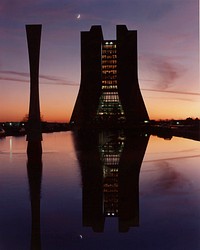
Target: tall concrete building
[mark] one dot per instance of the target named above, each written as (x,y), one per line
(109,92)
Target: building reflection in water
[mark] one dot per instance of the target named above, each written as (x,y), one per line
(34,171)
(110,164)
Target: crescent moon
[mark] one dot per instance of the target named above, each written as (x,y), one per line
(78,16)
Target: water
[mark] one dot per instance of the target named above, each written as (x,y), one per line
(107,191)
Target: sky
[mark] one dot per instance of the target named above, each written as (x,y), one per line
(168,53)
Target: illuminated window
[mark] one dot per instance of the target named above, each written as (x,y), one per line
(110,108)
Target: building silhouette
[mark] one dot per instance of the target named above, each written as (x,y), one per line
(110,165)
(33,32)
(109,91)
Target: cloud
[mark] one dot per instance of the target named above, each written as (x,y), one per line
(171,91)
(25,78)
(186,96)
(167,70)
(174,158)
(170,180)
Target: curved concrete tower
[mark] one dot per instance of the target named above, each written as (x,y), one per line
(109,93)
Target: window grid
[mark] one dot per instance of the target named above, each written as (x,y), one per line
(109,104)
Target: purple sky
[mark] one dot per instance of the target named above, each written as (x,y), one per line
(167,52)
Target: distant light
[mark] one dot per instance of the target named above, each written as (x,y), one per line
(81,236)
(78,16)
(146,121)
(10,123)
(177,123)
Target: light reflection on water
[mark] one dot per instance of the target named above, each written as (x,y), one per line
(164,212)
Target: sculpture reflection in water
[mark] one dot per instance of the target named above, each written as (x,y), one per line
(34,171)
(110,164)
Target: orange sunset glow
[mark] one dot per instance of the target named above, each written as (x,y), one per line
(167,56)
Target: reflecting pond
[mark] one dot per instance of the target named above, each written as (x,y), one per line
(100,191)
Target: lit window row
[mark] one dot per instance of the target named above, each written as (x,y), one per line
(109,77)
(113,93)
(109,87)
(110,162)
(109,72)
(110,115)
(110,96)
(111,109)
(109,46)
(109,156)
(111,66)
(113,82)
(109,51)
(112,99)
(108,62)
(114,56)
(109,153)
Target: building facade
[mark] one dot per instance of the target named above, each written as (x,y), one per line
(109,92)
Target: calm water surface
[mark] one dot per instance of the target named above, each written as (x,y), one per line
(106,191)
